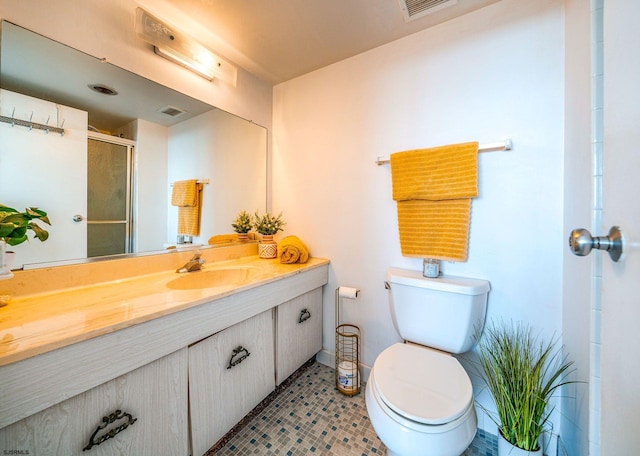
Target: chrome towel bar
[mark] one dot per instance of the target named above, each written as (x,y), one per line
(506,144)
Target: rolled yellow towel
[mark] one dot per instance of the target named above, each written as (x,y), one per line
(292,250)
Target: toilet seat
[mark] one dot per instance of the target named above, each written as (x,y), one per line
(422,385)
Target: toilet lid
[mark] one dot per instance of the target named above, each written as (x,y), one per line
(421,384)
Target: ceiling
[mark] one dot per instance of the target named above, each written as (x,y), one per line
(278,40)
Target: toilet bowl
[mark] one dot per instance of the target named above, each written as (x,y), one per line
(420,402)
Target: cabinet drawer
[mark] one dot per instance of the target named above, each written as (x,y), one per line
(152,420)
(229,374)
(298,332)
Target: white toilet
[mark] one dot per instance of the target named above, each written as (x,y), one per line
(418,396)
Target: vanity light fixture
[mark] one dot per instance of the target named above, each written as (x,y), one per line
(182,49)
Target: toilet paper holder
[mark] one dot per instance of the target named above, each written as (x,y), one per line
(347,360)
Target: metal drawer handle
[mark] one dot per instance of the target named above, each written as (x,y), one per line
(107,420)
(304,315)
(241,353)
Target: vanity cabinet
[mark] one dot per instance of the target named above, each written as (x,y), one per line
(298,332)
(147,408)
(229,374)
(163,383)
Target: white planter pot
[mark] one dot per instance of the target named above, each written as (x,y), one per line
(507,449)
(6,260)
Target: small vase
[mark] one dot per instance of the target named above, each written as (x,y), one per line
(505,448)
(267,248)
(243,237)
(6,260)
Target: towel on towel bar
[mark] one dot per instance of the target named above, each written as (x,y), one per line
(292,250)
(184,193)
(433,189)
(187,196)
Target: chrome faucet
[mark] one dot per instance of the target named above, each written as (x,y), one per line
(194,264)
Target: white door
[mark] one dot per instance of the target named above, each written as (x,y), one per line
(58,185)
(620,362)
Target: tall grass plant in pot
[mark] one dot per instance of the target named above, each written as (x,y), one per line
(522,372)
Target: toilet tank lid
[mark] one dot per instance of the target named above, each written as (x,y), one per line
(450,284)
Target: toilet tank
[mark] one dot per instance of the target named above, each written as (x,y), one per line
(446,313)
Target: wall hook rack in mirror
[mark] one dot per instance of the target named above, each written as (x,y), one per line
(32,125)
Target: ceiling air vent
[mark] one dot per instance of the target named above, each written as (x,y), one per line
(414,9)
(172,111)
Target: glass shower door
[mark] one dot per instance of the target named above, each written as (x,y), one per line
(108,198)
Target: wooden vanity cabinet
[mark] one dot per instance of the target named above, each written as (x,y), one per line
(229,374)
(148,405)
(170,374)
(298,332)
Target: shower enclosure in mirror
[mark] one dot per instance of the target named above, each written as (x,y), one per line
(174,137)
(108,196)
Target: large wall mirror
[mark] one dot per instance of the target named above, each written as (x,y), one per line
(161,136)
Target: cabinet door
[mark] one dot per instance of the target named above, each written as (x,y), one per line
(152,402)
(298,333)
(229,374)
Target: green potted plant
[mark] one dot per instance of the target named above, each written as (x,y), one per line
(522,373)
(242,225)
(268,225)
(14,226)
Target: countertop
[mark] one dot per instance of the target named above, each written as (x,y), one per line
(38,323)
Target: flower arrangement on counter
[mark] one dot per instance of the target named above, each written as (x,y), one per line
(242,224)
(14,224)
(268,224)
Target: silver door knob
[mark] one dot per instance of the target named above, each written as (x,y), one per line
(581,242)
(78,218)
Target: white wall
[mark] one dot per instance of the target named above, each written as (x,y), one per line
(489,75)
(150,185)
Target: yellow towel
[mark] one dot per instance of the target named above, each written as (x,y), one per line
(433,189)
(222,239)
(187,195)
(292,250)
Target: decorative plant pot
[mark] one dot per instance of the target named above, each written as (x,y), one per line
(508,449)
(6,260)
(243,237)
(267,248)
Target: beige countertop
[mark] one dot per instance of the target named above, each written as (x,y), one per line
(38,323)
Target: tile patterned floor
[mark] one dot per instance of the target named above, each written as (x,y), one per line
(308,416)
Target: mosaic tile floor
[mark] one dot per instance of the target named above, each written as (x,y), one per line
(309,416)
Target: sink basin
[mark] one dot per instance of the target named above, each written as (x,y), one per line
(209,279)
